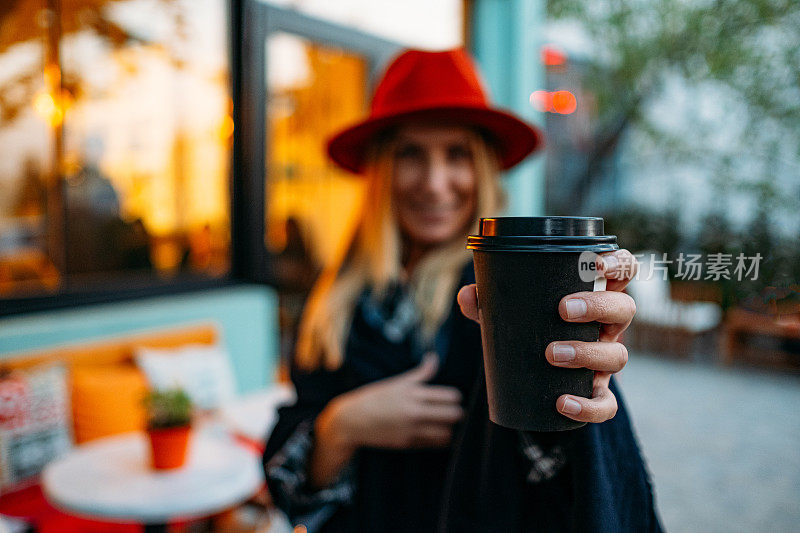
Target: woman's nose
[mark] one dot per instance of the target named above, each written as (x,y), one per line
(437,178)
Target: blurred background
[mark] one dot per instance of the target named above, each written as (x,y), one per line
(163,184)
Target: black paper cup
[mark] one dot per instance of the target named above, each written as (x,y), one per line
(524,266)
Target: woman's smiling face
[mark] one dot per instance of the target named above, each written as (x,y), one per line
(434,189)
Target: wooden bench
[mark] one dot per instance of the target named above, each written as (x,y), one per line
(743,327)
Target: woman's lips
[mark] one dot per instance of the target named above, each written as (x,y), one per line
(434,211)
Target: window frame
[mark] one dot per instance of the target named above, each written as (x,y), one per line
(260,20)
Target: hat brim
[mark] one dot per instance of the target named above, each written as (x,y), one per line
(513,139)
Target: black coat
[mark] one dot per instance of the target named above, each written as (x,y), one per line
(479,484)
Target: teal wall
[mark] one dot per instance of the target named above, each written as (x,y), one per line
(506,39)
(246,315)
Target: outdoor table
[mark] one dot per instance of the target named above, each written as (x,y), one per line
(111,479)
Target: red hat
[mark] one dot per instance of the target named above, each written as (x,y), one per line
(440,86)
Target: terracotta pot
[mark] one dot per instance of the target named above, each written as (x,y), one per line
(169,446)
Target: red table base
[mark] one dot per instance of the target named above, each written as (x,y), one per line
(29,504)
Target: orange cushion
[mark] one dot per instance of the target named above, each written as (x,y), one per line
(107,400)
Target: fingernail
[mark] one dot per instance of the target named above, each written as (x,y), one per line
(610,262)
(576,308)
(563,353)
(571,407)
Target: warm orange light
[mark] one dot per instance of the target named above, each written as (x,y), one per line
(542,100)
(48,109)
(552,56)
(564,102)
(52,74)
(44,104)
(226,128)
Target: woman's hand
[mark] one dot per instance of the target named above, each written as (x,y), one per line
(614,310)
(403,411)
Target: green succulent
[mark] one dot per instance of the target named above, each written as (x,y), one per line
(168,409)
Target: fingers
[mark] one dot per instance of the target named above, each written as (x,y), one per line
(619,268)
(468,301)
(603,356)
(619,265)
(424,371)
(435,394)
(433,420)
(606,307)
(614,310)
(438,414)
(600,407)
(601,379)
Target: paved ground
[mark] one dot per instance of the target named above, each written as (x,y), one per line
(723,445)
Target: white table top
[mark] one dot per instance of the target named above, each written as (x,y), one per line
(253,415)
(111,479)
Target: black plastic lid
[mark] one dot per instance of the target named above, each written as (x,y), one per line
(542,234)
(541,226)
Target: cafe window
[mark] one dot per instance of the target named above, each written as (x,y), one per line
(115,145)
(120,171)
(322,60)
(317,78)
(314,91)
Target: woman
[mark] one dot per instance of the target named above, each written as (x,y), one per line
(390,430)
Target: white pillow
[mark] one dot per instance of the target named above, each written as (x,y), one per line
(203,371)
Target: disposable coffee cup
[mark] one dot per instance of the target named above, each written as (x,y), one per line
(524,266)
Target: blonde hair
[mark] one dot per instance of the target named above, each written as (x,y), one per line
(374,259)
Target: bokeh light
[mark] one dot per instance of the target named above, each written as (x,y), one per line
(542,100)
(48,109)
(553,56)
(564,102)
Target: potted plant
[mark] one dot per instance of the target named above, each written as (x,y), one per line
(169,418)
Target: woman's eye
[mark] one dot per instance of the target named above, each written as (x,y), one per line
(409,152)
(458,153)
